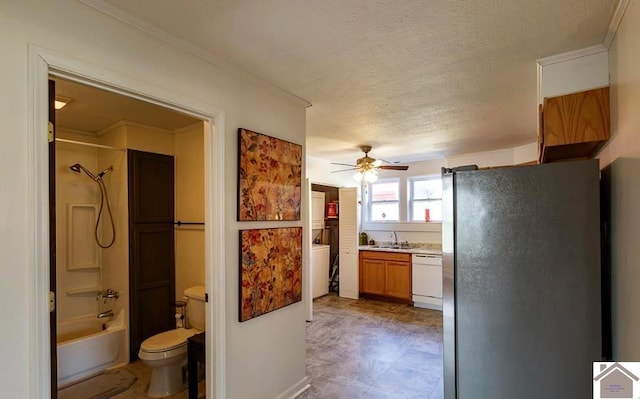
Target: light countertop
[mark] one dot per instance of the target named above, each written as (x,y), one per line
(429,249)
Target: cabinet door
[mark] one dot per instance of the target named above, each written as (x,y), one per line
(398,276)
(373,276)
(348,242)
(317,210)
(320,271)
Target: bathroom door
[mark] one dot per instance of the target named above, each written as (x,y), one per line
(151,246)
(52,237)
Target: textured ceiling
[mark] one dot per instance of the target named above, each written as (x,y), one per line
(415,79)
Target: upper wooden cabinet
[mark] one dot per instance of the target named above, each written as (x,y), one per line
(574,126)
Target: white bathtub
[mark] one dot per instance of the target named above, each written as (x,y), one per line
(85,347)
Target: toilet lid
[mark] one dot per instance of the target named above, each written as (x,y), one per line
(167,340)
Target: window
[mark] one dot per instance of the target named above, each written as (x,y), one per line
(425,196)
(384,201)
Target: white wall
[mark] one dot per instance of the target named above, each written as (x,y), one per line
(265,356)
(623,155)
(320,171)
(432,232)
(586,71)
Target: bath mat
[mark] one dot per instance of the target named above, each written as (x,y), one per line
(379,306)
(101,386)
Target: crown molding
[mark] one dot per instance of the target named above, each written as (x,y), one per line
(181,130)
(62,129)
(618,14)
(571,55)
(126,123)
(187,47)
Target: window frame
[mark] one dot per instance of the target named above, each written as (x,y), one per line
(411,198)
(370,202)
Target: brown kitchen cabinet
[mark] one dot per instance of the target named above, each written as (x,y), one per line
(574,126)
(386,274)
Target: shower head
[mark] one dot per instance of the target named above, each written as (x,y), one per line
(76,167)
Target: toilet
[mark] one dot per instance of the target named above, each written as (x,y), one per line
(166,353)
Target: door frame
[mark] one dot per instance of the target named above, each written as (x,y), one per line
(41,64)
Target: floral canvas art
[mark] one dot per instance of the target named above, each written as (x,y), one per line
(270,177)
(270,270)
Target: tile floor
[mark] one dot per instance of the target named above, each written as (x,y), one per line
(359,349)
(373,349)
(139,388)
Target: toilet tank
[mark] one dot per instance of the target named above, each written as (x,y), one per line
(195,306)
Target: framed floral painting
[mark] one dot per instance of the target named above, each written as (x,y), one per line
(269,177)
(270,270)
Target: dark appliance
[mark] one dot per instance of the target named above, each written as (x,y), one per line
(521,275)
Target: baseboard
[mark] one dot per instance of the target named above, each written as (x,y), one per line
(420,301)
(296,390)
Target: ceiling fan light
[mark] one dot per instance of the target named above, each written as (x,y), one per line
(357,176)
(370,176)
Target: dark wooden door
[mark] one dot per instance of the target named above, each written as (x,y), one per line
(151,245)
(52,237)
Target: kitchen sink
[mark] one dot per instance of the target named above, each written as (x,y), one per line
(390,247)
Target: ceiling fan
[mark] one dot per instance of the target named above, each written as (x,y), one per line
(368,167)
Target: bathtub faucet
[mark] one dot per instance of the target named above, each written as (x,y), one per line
(108,313)
(109,293)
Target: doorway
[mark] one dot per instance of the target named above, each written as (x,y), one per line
(116,208)
(42,65)
(325,234)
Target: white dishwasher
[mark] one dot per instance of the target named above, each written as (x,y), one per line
(427,281)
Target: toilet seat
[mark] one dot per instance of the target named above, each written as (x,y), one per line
(164,355)
(167,340)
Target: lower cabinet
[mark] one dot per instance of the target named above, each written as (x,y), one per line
(386,274)
(372,272)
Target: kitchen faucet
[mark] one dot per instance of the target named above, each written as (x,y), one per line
(395,235)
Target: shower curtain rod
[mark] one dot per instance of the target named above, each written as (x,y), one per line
(91,144)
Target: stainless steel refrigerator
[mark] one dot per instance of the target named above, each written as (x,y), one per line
(521,275)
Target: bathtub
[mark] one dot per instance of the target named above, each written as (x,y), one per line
(87,346)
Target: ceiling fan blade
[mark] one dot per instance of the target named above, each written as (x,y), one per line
(343,164)
(343,170)
(394,167)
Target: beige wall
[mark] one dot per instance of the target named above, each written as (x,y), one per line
(115,260)
(622,154)
(146,138)
(189,204)
(187,145)
(265,357)
(76,288)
